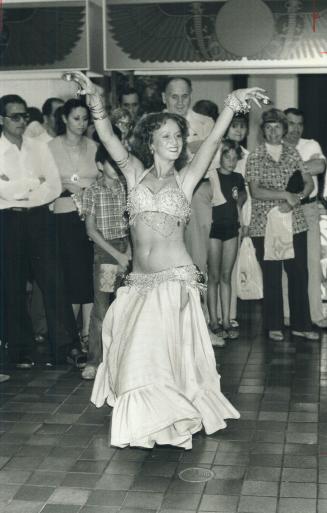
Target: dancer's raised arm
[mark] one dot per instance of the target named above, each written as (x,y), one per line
(129,164)
(235,102)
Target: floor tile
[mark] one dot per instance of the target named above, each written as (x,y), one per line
(146,500)
(219,503)
(260,488)
(297,506)
(300,490)
(252,504)
(181,501)
(64,495)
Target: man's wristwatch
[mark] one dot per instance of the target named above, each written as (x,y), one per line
(301,196)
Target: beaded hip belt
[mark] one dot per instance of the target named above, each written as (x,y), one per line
(186,273)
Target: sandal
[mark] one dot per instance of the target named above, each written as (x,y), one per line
(77,359)
(216,330)
(84,341)
(231,333)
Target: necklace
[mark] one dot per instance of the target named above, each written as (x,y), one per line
(74,153)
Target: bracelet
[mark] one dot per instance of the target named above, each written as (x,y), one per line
(235,104)
(101,115)
(95,107)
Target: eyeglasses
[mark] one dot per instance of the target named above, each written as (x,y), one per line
(18,116)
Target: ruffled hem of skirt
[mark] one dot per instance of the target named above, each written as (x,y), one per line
(177,418)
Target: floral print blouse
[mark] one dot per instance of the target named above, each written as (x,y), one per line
(262,169)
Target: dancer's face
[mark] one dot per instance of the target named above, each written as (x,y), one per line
(167,141)
(77,121)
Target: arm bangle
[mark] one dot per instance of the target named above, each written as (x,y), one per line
(236,105)
(99,116)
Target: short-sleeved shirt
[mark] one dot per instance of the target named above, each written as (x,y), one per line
(231,185)
(108,205)
(263,170)
(308,148)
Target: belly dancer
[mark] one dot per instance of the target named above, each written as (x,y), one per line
(159,370)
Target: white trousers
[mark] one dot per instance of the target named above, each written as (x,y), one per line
(311,214)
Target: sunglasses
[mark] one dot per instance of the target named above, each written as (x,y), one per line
(18,116)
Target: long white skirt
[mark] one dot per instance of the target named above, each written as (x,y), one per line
(159,369)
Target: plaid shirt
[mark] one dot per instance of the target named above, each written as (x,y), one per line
(108,205)
(262,169)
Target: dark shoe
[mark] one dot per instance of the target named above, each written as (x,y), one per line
(77,359)
(25,363)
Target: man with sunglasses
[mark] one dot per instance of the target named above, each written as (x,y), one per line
(29,181)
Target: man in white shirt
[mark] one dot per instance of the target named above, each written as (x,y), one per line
(315,161)
(44,132)
(177,97)
(29,181)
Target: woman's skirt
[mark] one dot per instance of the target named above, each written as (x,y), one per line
(159,369)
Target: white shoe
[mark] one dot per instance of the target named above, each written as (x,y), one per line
(322,323)
(89,372)
(4,377)
(216,341)
(234,323)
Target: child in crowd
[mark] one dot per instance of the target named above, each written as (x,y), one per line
(104,205)
(223,243)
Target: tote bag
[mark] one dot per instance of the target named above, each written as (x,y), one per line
(248,273)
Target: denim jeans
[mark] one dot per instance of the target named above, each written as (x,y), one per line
(102,300)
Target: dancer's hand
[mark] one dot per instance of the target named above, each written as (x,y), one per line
(123,261)
(239,100)
(85,85)
(254,94)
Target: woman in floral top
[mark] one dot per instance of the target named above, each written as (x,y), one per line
(268,171)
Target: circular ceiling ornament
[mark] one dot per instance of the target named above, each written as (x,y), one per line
(245,28)
(196,475)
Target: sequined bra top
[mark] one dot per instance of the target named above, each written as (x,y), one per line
(169,200)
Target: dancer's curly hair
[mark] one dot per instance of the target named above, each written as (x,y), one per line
(143,137)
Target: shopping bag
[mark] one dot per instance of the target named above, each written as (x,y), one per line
(248,272)
(279,235)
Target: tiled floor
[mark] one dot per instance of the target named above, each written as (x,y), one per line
(55,457)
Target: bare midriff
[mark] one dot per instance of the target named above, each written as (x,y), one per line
(153,252)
